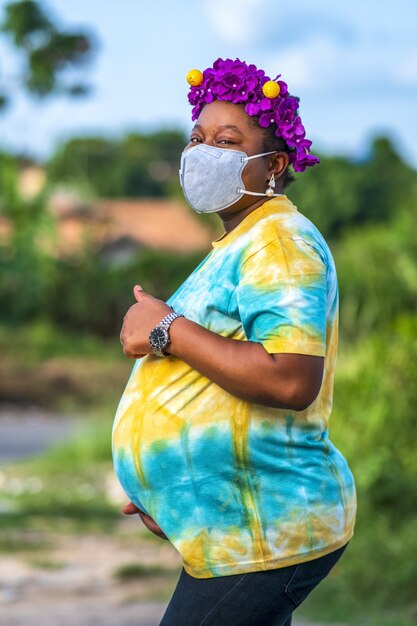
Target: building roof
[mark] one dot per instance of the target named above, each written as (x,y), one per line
(153,223)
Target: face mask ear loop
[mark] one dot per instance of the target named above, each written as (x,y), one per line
(254,193)
(255,156)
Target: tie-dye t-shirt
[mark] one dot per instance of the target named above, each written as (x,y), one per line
(237,486)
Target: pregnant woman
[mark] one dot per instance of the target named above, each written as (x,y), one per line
(221,437)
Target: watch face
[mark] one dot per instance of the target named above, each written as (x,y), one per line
(159,338)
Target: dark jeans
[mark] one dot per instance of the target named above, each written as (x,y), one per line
(263,598)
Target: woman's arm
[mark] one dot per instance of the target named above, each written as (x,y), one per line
(243,368)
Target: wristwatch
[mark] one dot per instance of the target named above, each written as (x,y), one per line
(159,336)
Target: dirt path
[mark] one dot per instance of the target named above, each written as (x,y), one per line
(75,583)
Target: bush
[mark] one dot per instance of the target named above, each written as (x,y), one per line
(92,296)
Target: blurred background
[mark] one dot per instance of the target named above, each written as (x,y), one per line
(93,118)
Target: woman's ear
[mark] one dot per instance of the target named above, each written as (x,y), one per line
(279,163)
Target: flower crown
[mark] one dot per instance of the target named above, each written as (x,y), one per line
(269,100)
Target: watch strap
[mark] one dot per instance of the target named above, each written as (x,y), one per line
(168,319)
(164,323)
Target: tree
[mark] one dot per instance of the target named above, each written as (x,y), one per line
(341,193)
(131,166)
(26,265)
(48,52)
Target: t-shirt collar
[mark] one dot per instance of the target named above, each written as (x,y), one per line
(277,204)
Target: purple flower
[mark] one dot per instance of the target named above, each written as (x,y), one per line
(284,88)
(308,160)
(208,97)
(266,119)
(265,104)
(252,108)
(233,81)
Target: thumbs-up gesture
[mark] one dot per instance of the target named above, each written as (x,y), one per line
(138,322)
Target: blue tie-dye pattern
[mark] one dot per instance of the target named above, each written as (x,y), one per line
(263,311)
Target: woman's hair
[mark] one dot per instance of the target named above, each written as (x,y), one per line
(272,142)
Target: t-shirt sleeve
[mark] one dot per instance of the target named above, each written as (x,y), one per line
(282,298)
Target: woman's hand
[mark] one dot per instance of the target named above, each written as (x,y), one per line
(131,509)
(138,322)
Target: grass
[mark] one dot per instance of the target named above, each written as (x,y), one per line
(135,571)
(41,365)
(21,542)
(359,614)
(47,564)
(368,587)
(67,487)
(158,594)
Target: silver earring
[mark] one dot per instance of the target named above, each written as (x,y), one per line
(271,186)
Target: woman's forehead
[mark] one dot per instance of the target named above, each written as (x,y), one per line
(219,114)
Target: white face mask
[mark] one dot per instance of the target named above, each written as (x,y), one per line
(211,178)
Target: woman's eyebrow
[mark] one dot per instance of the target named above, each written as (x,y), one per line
(231,127)
(228,126)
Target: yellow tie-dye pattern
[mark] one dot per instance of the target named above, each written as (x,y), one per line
(240,427)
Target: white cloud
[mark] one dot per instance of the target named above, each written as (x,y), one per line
(235,20)
(357,71)
(294,66)
(308,67)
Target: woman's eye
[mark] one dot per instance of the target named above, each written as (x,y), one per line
(195,140)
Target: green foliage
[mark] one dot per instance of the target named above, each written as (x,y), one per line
(48,52)
(375,577)
(374,419)
(68,483)
(83,294)
(28,271)
(135,165)
(374,425)
(12,542)
(91,296)
(43,341)
(137,571)
(377,269)
(24,20)
(341,193)
(88,295)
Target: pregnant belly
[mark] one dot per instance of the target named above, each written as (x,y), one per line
(169,464)
(177,443)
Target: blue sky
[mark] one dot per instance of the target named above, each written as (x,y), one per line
(353,64)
